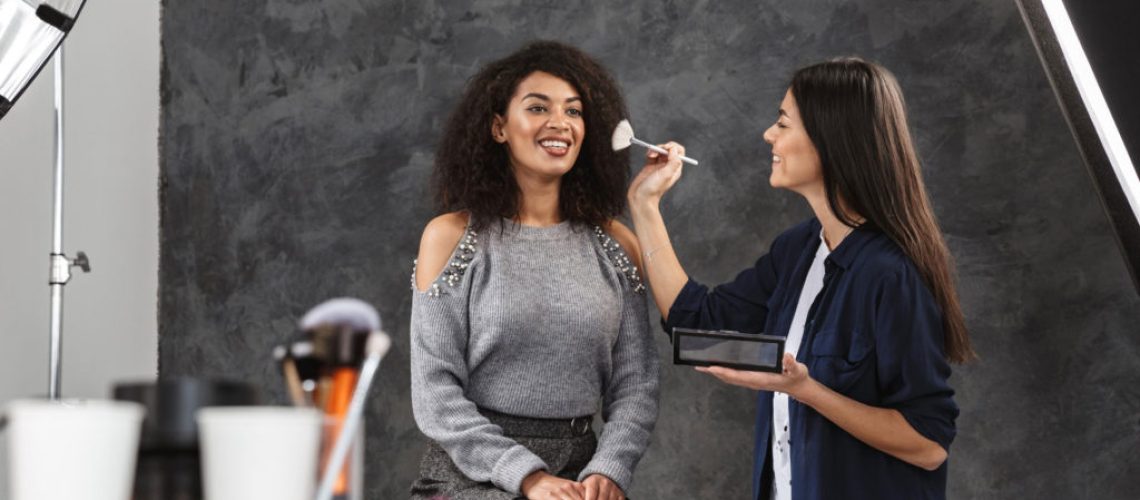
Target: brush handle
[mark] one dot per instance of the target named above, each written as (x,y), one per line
(651,147)
(348,428)
(293,382)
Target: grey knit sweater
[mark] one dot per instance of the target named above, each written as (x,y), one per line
(536,322)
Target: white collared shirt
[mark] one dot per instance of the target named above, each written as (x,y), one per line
(781,436)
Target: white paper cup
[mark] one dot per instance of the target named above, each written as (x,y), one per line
(64,450)
(259,452)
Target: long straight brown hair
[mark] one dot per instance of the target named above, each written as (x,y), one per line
(854,113)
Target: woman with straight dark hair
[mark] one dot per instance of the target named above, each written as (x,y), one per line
(863,292)
(528,314)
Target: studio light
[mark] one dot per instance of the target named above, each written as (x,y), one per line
(1090,119)
(30,31)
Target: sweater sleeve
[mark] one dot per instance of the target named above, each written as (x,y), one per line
(439,332)
(630,401)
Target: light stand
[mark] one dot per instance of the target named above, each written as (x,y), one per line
(30,31)
(60,267)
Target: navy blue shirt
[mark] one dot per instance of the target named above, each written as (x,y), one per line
(873,334)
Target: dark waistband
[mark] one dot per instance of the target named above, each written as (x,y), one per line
(516,426)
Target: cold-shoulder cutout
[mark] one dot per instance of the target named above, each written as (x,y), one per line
(620,246)
(628,241)
(441,235)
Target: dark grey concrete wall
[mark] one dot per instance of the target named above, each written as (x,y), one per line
(297,140)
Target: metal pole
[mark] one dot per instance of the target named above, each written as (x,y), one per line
(60,267)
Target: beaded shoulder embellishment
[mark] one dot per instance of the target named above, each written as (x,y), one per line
(620,260)
(455,269)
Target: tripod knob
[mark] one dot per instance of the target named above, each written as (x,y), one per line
(81,261)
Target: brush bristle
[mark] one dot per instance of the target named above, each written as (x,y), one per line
(344,312)
(623,135)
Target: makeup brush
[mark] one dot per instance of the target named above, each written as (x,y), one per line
(341,331)
(309,365)
(623,138)
(377,346)
(292,376)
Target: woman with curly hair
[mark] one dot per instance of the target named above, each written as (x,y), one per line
(528,311)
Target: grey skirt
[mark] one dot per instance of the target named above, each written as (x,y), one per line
(565,445)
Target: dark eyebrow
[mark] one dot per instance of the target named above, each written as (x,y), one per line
(784,113)
(546,98)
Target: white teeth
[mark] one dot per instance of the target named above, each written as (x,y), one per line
(555,144)
(775,158)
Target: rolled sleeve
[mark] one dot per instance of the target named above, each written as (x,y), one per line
(741,304)
(686,308)
(912,367)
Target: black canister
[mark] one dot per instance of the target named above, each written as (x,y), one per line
(169,466)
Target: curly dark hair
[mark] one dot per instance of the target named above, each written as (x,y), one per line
(472,171)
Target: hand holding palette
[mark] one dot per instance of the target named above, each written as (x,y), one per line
(742,351)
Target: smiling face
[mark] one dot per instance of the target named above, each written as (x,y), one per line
(795,161)
(543,127)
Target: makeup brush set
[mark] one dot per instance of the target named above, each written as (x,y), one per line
(330,367)
(213,439)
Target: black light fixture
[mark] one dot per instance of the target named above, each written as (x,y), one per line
(1090,115)
(31,31)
